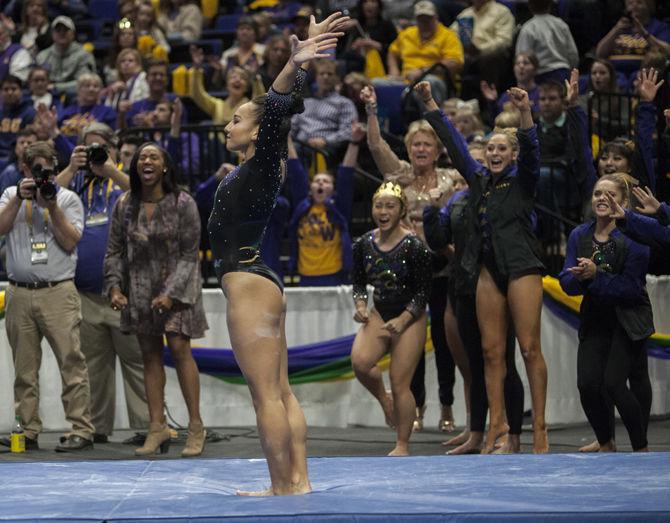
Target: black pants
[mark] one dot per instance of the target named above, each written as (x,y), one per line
(605,359)
(466,316)
(640,386)
(446,369)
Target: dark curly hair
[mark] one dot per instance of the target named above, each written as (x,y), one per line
(169,180)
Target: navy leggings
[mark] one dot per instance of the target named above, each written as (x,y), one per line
(446,368)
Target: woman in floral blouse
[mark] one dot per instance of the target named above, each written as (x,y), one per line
(152,274)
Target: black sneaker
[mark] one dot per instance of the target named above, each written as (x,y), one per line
(100,438)
(73,443)
(137,440)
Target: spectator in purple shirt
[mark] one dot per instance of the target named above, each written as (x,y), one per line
(15,113)
(634,35)
(12,173)
(86,109)
(139,113)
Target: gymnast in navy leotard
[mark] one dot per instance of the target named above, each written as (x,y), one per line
(255,313)
(246,196)
(398,265)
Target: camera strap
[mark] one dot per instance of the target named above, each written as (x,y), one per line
(38,249)
(29,218)
(97,218)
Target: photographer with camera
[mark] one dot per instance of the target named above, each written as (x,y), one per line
(94,175)
(43,224)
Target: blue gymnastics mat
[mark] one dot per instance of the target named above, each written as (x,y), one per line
(608,487)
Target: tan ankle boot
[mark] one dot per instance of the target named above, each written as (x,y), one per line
(195,442)
(158,440)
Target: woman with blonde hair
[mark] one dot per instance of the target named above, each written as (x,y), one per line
(240,85)
(131,84)
(503,253)
(609,270)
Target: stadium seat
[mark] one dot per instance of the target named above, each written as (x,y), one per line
(104,9)
(227,23)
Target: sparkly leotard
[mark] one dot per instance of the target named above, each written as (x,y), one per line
(401,277)
(246,196)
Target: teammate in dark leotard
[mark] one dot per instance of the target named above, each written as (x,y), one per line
(398,265)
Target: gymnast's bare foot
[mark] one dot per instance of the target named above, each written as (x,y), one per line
(512,445)
(495,432)
(610,446)
(294,489)
(401,449)
(594,446)
(302,487)
(387,406)
(460,439)
(472,446)
(540,440)
(258,493)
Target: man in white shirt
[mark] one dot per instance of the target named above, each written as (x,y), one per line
(43,224)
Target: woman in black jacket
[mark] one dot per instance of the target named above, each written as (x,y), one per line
(503,252)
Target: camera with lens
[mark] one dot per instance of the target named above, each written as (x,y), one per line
(96,154)
(43,181)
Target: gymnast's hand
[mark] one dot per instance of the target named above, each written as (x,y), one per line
(519,98)
(396,325)
(585,270)
(361,315)
(368,95)
(334,23)
(303,51)
(648,203)
(423,91)
(618,212)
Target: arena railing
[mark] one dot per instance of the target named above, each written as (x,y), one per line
(201,149)
(610,115)
(558,209)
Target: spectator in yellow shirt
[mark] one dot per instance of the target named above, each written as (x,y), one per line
(423,45)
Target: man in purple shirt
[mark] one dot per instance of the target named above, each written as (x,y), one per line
(139,114)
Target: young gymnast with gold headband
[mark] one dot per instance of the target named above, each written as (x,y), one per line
(397,264)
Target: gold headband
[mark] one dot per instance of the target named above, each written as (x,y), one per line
(389,189)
